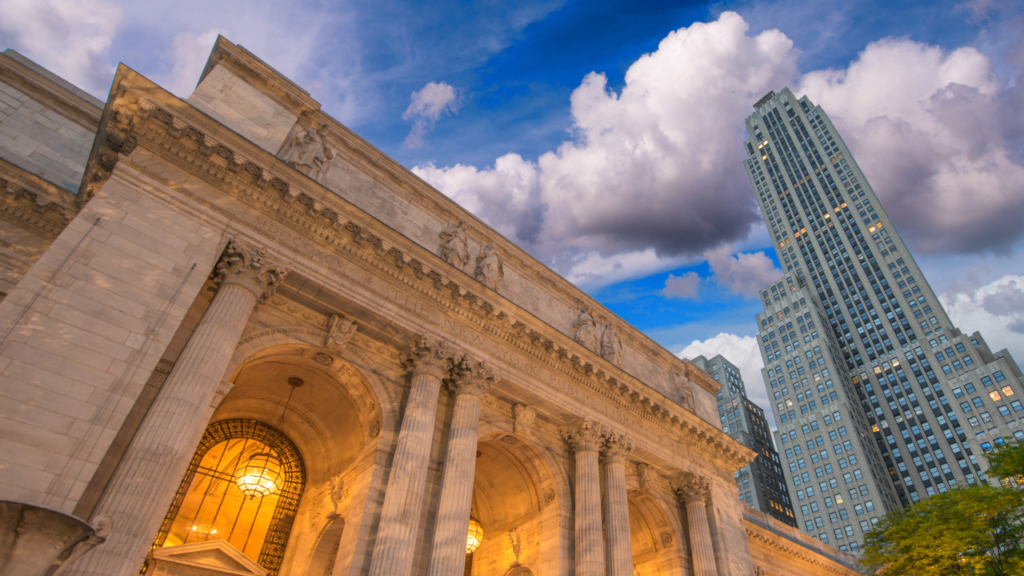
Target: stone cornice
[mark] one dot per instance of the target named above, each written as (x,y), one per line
(535,271)
(29,202)
(251,176)
(781,544)
(45,90)
(269,81)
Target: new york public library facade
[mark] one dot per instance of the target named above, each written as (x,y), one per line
(253,344)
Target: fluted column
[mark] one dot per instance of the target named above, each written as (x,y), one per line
(616,506)
(584,436)
(471,380)
(693,492)
(143,486)
(403,501)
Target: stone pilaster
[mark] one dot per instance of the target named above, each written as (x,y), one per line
(584,436)
(143,486)
(616,507)
(693,491)
(430,361)
(471,380)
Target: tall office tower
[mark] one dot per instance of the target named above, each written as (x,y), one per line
(762,484)
(880,400)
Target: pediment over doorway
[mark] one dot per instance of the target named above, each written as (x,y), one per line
(211,558)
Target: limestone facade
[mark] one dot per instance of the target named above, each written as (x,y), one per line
(239,270)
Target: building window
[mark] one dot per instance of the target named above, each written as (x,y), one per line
(209,505)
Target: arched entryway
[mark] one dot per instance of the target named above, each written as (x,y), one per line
(243,486)
(516,499)
(656,546)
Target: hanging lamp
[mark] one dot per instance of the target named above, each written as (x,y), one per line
(261,475)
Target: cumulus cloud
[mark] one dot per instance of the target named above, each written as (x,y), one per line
(930,130)
(682,287)
(744,273)
(995,309)
(428,104)
(655,166)
(744,353)
(69,37)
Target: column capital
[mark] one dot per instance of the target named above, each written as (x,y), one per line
(616,447)
(247,267)
(471,376)
(430,356)
(583,435)
(692,488)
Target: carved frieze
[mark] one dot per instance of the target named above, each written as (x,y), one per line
(454,247)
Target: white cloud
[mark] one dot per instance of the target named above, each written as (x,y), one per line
(682,287)
(656,166)
(744,273)
(427,105)
(69,37)
(744,353)
(930,129)
(995,309)
(189,52)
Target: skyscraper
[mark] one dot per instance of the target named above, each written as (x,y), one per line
(761,483)
(879,400)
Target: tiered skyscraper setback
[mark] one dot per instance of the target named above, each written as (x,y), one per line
(761,483)
(879,400)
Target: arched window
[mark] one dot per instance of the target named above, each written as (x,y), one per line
(210,505)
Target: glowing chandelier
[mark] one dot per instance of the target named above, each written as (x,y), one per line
(474,537)
(261,475)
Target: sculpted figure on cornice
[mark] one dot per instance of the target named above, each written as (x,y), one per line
(587,333)
(455,245)
(611,349)
(489,267)
(685,390)
(309,152)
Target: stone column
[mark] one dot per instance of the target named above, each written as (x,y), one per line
(403,500)
(693,492)
(448,552)
(142,488)
(616,506)
(584,436)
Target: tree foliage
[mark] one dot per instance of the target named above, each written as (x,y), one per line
(970,531)
(1007,461)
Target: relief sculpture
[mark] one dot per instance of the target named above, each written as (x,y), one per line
(309,152)
(611,349)
(586,330)
(489,268)
(455,245)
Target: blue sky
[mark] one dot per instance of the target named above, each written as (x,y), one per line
(630,178)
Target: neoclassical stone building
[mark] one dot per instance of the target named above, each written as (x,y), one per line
(239,339)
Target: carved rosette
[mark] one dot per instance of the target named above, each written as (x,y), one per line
(616,447)
(692,488)
(583,435)
(471,377)
(243,266)
(429,356)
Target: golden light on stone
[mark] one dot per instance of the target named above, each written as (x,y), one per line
(259,476)
(474,537)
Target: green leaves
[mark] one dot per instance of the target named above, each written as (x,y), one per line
(968,531)
(1006,462)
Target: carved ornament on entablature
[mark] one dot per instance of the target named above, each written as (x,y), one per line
(398,255)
